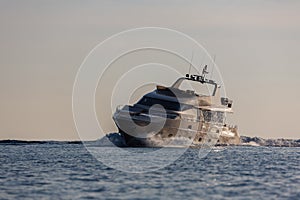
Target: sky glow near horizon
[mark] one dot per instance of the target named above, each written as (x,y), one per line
(256,43)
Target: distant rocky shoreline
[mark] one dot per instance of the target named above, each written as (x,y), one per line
(116,139)
(258,141)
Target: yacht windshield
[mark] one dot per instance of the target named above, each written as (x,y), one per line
(168,105)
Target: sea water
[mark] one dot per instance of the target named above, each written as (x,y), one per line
(66,170)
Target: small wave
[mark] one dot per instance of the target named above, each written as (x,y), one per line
(110,140)
(218,149)
(252,143)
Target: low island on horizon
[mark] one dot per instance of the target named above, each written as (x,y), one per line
(245,141)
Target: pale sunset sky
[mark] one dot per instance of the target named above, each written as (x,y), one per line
(43,43)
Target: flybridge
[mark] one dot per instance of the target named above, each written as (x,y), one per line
(200,78)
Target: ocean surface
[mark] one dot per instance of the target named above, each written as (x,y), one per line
(66,170)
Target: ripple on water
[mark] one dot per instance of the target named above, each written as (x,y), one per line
(68,171)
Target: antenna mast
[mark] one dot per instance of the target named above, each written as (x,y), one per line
(204,71)
(214,64)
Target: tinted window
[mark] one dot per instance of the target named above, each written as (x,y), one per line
(168,105)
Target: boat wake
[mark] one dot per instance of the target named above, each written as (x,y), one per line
(110,140)
(182,142)
(115,139)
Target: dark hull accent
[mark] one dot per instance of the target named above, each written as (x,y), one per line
(135,142)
